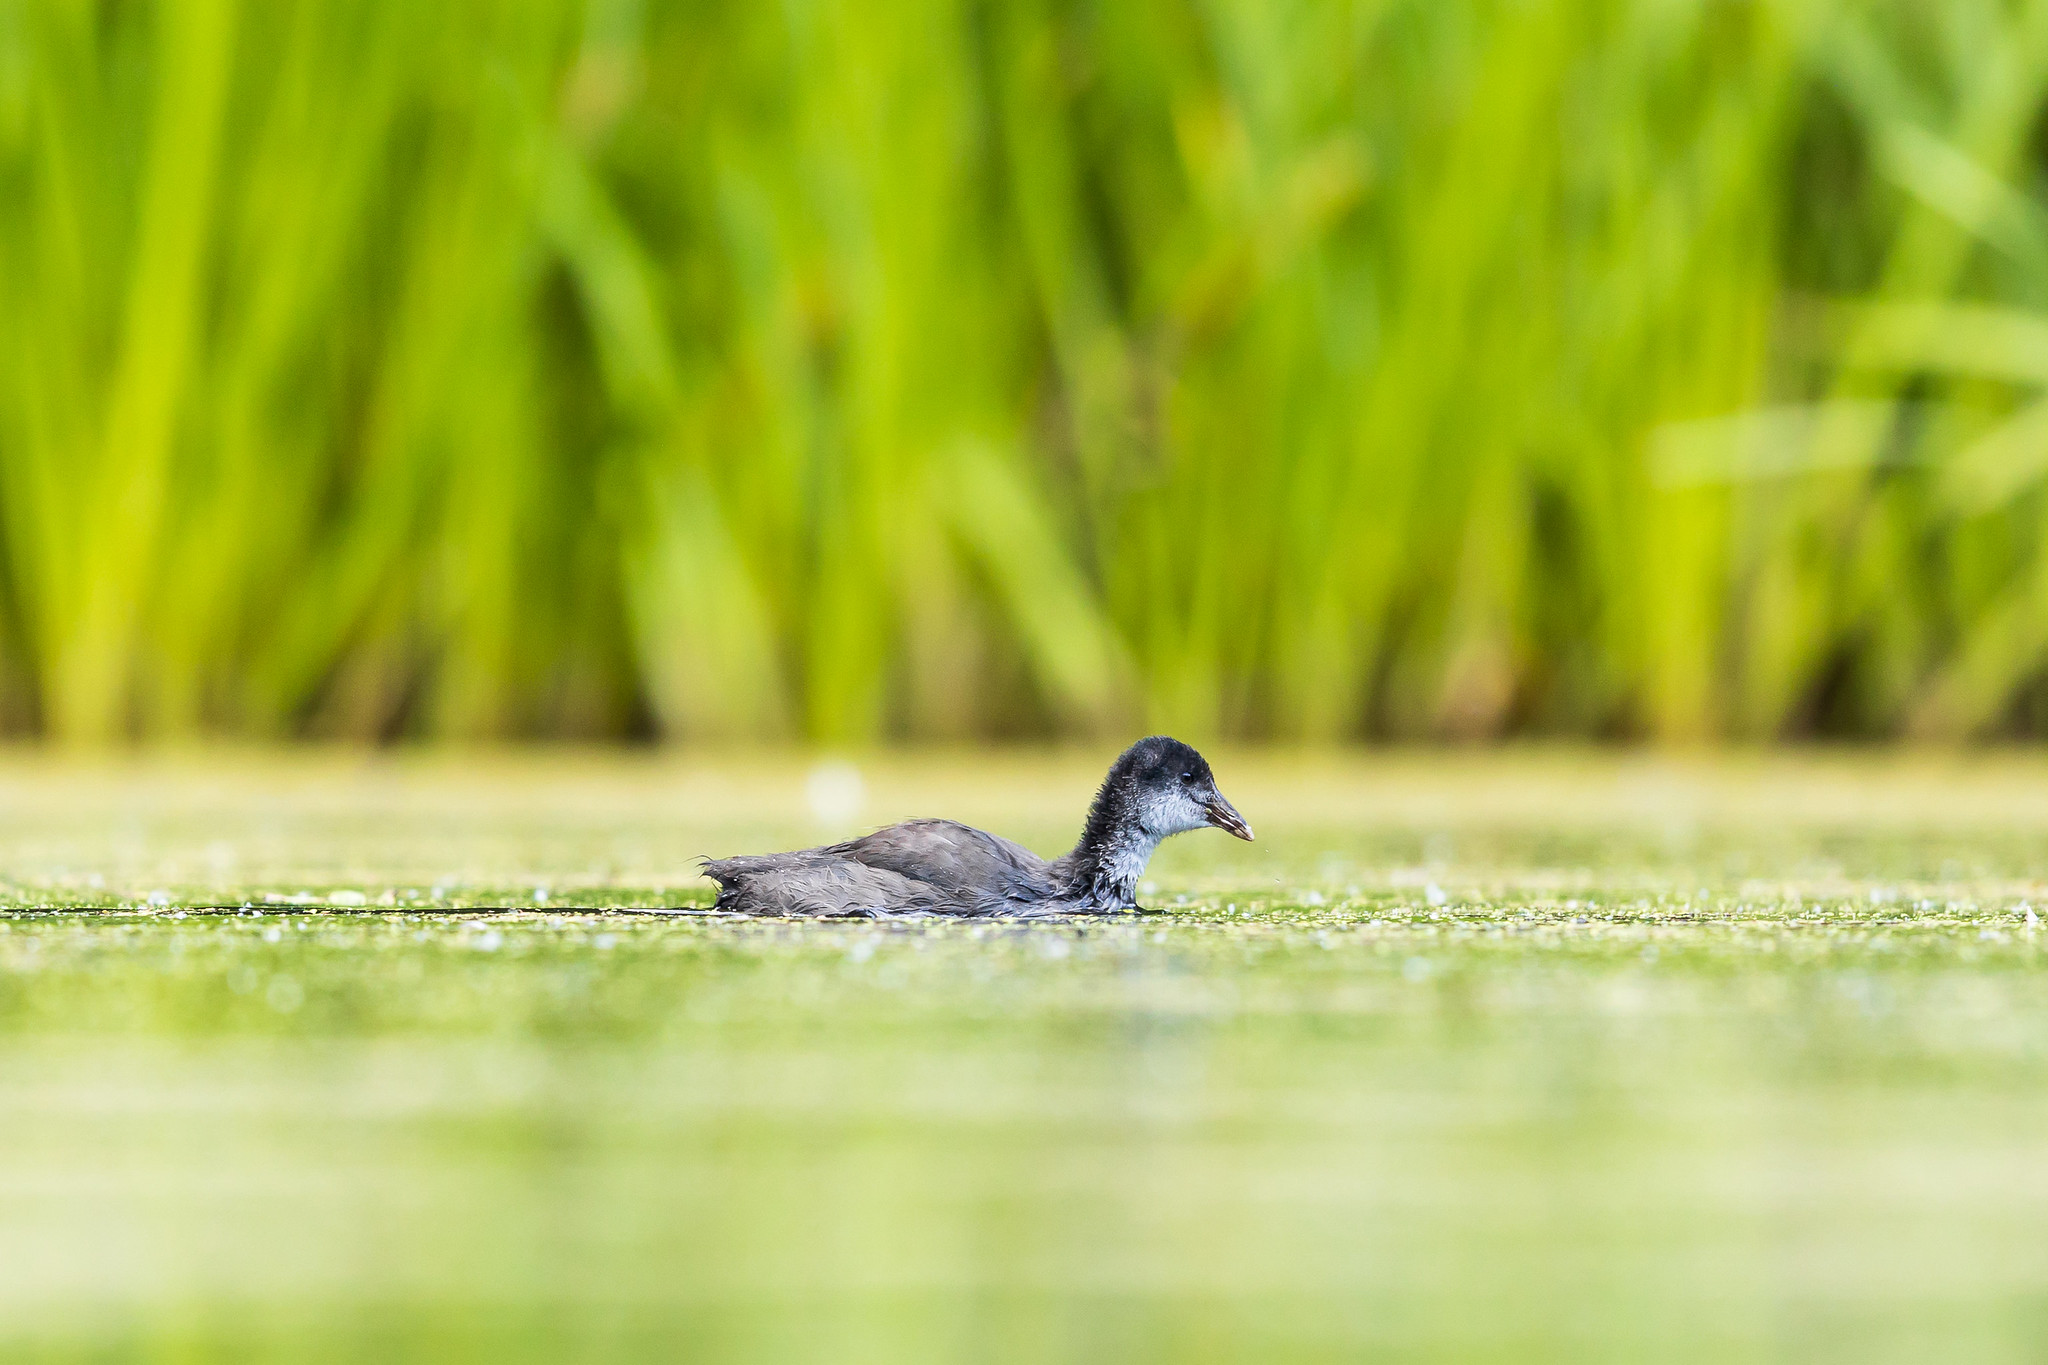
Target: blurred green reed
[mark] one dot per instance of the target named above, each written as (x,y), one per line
(917,368)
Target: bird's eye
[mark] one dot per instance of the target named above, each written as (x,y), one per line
(1187,777)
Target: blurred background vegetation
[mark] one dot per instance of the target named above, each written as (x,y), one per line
(912,369)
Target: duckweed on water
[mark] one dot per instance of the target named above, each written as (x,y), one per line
(1778,1090)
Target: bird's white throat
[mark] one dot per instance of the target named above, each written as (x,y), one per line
(1118,866)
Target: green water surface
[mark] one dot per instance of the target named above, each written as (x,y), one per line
(1520,1058)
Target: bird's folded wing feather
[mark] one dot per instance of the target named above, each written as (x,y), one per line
(959,860)
(796,885)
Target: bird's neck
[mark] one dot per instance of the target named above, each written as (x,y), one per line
(1103,870)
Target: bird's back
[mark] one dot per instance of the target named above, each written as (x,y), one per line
(935,866)
(958,859)
(805,884)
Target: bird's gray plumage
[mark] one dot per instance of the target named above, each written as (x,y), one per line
(1157,788)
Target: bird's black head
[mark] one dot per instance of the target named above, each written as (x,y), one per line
(1162,787)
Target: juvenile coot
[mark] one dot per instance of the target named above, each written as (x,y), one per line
(1156,788)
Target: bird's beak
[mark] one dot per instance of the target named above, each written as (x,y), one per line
(1223,815)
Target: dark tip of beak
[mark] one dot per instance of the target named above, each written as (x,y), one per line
(1224,816)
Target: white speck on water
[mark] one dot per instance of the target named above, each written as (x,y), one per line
(861,951)
(159,898)
(1416,969)
(177,914)
(1435,894)
(540,895)
(273,934)
(605,942)
(1312,898)
(1054,947)
(2033,920)
(96,882)
(489,941)
(1149,888)
(836,791)
(348,898)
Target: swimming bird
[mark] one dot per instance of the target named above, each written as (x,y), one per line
(1157,788)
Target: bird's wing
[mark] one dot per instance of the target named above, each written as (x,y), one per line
(786,884)
(961,861)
